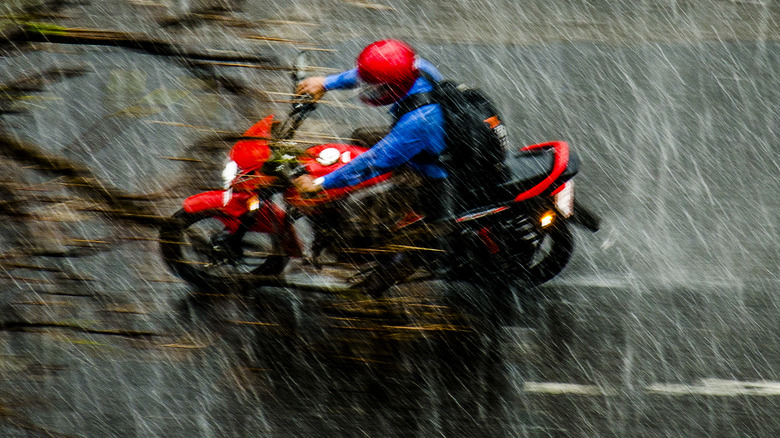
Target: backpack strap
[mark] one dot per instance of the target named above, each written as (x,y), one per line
(411,103)
(417,100)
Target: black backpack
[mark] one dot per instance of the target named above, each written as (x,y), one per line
(476,141)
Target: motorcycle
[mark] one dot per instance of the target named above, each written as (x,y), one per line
(245,234)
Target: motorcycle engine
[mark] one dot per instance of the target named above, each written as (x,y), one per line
(361,219)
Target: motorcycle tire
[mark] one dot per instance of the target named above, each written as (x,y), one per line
(184,251)
(552,259)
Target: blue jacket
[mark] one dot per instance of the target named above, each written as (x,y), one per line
(418,131)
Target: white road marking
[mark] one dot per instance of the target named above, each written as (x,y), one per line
(706,387)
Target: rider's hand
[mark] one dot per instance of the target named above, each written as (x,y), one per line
(315,86)
(305,184)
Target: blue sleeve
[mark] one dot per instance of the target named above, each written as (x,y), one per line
(410,136)
(429,68)
(341,81)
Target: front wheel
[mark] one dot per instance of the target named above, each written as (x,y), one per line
(197,249)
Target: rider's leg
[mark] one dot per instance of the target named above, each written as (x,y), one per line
(435,203)
(431,197)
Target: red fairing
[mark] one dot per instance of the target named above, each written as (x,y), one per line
(346,153)
(559,166)
(251,154)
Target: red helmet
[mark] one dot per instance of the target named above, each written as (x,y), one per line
(387,70)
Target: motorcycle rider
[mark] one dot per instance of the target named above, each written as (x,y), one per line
(387,72)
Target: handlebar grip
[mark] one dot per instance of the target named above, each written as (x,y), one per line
(293,170)
(304,101)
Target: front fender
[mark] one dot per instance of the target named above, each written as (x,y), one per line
(229,214)
(270,218)
(204,201)
(215,200)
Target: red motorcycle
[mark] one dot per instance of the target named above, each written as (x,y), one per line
(245,234)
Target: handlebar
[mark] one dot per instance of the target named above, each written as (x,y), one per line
(289,168)
(292,170)
(302,106)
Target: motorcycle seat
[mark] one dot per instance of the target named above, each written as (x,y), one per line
(531,168)
(533,165)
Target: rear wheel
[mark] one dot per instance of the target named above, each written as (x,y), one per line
(507,252)
(551,256)
(506,265)
(197,249)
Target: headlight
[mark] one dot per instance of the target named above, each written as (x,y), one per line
(229,173)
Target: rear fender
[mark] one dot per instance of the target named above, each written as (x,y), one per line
(560,163)
(585,218)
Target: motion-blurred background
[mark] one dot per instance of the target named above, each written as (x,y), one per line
(664,324)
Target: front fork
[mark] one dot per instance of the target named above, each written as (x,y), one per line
(266,217)
(248,220)
(226,245)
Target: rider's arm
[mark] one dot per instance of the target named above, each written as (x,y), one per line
(341,81)
(429,68)
(418,131)
(317,86)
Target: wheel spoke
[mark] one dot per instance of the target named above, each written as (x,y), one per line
(199,243)
(256,250)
